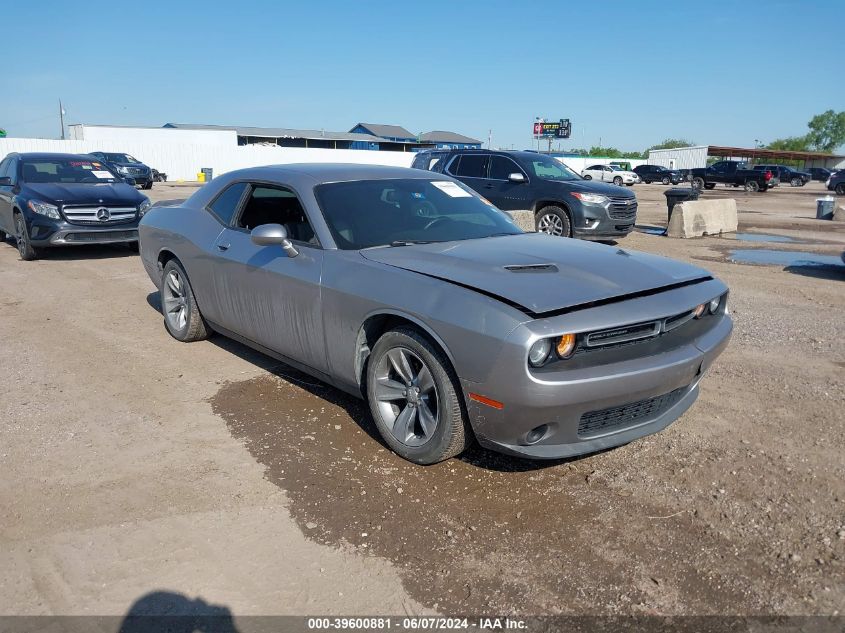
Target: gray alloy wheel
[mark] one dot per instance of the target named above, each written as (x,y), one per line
(796,182)
(665,180)
(752,186)
(617,181)
(553,221)
(414,398)
(840,189)
(27,251)
(698,183)
(182,317)
(588,177)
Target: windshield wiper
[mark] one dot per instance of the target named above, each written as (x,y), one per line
(410,242)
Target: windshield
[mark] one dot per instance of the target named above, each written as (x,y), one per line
(551,169)
(367,213)
(70,171)
(121,158)
(616,168)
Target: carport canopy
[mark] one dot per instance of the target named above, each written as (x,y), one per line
(760,154)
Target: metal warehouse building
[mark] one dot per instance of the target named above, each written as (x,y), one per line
(693,157)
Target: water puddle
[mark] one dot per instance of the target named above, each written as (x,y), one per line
(784,258)
(762,237)
(650,230)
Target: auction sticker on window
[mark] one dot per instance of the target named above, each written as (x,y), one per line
(103,174)
(451,189)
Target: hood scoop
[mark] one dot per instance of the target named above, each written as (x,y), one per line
(532,268)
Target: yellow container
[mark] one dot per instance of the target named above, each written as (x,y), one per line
(200,177)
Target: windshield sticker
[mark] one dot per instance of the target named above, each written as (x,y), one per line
(103,174)
(451,189)
(418,195)
(79,163)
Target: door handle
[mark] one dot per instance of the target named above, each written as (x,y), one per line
(488,186)
(222,246)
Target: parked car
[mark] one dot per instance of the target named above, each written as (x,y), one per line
(787,174)
(126,165)
(563,203)
(732,172)
(49,200)
(658,173)
(406,288)
(610,173)
(819,173)
(836,182)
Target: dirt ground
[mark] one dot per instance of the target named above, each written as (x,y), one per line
(130,463)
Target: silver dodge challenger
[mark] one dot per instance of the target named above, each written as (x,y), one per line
(407,289)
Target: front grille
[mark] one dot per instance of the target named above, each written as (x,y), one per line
(137,171)
(617,418)
(101,236)
(89,215)
(623,208)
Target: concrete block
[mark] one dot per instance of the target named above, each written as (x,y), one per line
(839,214)
(523,219)
(703,217)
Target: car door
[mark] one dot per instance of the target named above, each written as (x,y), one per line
(8,168)
(265,295)
(502,192)
(470,169)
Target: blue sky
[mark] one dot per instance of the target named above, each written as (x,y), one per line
(628,73)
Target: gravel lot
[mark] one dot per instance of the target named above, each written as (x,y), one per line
(130,463)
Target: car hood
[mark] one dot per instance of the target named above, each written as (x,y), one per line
(539,273)
(118,193)
(591,186)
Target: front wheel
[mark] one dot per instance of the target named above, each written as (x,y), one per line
(752,185)
(617,181)
(25,248)
(149,185)
(588,177)
(665,180)
(698,183)
(840,189)
(182,316)
(414,398)
(554,221)
(796,182)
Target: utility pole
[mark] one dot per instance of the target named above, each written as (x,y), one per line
(490,139)
(62,118)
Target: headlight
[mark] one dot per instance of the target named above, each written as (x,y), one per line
(42,208)
(714,304)
(122,170)
(565,346)
(539,352)
(145,206)
(590,198)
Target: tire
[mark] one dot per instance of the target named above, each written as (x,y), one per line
(588,177)
(710,186)
(149,185)
(553,220)
(648,182)
(665,180)
(617,181)
(435,425)
(840,189)
(25,248)
(133,246)
(698,183)
(3,236)
(796,182)
(182,316)
(752,185)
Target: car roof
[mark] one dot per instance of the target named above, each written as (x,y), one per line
(47,155)
(333,172)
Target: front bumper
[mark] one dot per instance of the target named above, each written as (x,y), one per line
(593,407)
(45,232)
(595,222)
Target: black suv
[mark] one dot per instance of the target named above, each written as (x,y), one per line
(562,202)
(128,167)
(836,182)
(66,199)
(658,173)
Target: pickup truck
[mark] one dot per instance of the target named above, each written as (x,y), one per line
(732,172)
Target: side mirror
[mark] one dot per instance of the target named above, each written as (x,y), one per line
(271,235)
(516,177)
(5,181)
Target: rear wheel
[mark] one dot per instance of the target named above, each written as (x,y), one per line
(554,221)
(149,185)
(648,182)
(840,189)
(617,181)
(182,316)
(665,180)
(414,398)
(752,186)
(710,185)
(27,251)
(588,177)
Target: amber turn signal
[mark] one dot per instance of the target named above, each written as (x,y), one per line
(699,310)
(566,345)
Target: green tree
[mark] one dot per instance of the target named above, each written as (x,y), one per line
(791,144)
(827,131)
(670,143)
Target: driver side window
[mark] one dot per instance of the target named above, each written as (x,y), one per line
(268,204)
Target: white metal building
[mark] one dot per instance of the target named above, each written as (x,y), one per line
(679,157)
